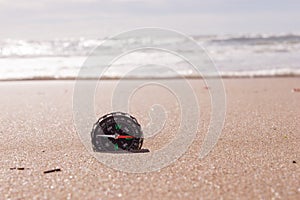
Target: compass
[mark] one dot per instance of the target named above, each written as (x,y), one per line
(117,132)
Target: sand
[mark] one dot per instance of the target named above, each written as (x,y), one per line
(256,157)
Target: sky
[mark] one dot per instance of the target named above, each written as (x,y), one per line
(50,19)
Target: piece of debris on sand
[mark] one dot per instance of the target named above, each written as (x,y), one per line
(17,168)
(51,171)
(296,90)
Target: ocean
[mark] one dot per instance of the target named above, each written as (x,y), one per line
(233,55)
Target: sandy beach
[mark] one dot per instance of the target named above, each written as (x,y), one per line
(256,157)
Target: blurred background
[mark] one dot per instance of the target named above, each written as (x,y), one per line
(50,39)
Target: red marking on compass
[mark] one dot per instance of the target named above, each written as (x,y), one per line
(124,137)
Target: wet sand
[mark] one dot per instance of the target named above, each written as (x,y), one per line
(256,157)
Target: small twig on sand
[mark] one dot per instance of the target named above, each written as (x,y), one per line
(18,168)
(51,171)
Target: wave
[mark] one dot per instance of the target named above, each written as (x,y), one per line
(263,73)
(233,74)
(50,48)
(234,55)
(82,47)
(258,39)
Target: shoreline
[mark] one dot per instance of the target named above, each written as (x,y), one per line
(148,78)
